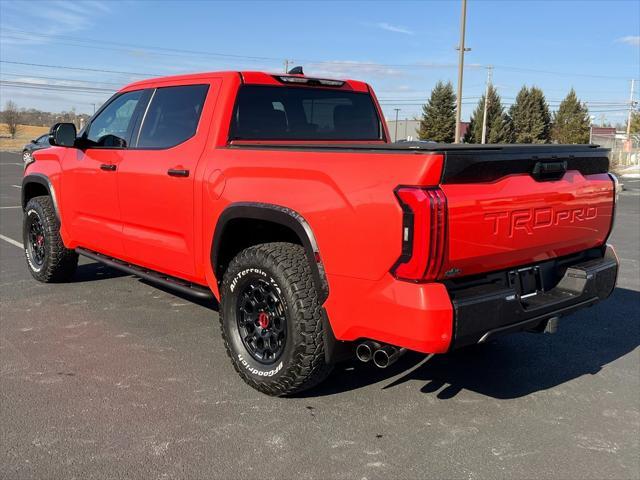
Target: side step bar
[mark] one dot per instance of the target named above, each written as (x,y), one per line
(173,283)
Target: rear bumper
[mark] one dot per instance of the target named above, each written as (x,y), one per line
(436,318)
(485,312)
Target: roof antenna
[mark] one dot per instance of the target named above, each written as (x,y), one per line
(296,71)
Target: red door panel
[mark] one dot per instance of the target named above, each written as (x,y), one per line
(156,181)
(92,213)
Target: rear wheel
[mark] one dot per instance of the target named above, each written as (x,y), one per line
(271,319)
(47,258)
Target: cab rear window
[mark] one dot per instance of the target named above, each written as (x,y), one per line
(303,113)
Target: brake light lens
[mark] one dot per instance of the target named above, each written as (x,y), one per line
(424,231)
(325,82)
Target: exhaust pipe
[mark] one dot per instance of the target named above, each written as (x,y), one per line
(365,350)
(387,355)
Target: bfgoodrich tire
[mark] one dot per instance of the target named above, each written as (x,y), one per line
(47,258)
(271,319)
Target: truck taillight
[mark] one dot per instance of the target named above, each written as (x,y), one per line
(424,230)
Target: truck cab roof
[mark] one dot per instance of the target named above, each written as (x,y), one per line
(252,78)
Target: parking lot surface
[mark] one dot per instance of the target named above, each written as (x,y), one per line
(110,377)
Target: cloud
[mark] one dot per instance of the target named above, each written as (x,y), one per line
(394,28)
(352,69)
(48,20)
(630,40)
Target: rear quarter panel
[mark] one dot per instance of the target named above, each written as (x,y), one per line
(346,197)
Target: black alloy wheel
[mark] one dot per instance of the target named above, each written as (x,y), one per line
(36,239)
(262,321)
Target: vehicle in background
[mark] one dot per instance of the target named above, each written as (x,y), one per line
(282,196)
(37,144)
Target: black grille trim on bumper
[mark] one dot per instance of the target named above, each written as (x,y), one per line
(483,312)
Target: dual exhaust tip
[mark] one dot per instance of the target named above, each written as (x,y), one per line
(382,355)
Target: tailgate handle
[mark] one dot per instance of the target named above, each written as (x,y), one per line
(545,171)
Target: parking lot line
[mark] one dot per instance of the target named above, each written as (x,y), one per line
(16,186)
(11,241)
(12,206)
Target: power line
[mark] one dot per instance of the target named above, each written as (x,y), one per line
(83,69)
(59,88)
(119,46)
(128,46)
(43,77)
(565,74)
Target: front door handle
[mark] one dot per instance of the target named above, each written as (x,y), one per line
(108,167)
(175,172)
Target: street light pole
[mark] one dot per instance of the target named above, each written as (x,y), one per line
(395,136)
(463,22)
(486,103)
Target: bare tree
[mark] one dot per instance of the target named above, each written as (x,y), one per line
(11,116)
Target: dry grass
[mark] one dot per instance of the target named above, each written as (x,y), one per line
(25,134)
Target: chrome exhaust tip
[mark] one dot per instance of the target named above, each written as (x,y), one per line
(365,350)
(387,355)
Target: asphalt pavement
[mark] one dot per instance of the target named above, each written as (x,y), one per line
(111,377)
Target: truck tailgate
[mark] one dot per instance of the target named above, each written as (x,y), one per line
(518,220)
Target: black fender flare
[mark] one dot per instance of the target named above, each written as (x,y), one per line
(280,215)
(43,180)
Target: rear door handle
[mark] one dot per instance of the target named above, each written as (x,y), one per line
(175,172)
(108,167)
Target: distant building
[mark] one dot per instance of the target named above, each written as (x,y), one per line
(408,129)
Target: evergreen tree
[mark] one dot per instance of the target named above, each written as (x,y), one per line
(571,122)
(530,120)
(438,121)
(635,122)
(498,125)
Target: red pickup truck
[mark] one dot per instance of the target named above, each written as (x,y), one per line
(282,197)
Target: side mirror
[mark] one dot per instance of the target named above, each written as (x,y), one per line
(63,135)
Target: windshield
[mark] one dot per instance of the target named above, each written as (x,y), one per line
(303,113)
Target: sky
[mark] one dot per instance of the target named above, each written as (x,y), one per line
(63,55)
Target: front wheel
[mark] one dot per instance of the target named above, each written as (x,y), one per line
(271,319)
(47,258)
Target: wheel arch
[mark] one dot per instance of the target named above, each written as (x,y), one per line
(36,184)
(264,223)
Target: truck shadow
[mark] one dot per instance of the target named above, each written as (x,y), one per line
(516,365)
(90,272)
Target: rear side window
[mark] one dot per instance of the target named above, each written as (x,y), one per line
(303,113)
(172,116)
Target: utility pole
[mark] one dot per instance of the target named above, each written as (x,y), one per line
(463,23)
(286,65)
(631,102)
(486,103)
(395,136)
(631,105)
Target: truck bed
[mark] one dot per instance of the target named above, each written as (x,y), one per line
(469,163)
